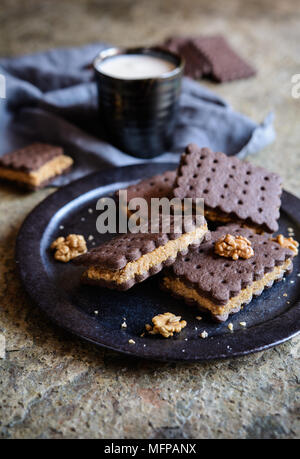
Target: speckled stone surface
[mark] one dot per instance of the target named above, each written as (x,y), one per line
(53,385)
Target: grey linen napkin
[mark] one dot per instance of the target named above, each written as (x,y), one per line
(52,97)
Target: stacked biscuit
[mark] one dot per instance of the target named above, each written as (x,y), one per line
(219,273)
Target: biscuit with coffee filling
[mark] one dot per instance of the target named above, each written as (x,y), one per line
(34,166)
(133,257)
(222,285)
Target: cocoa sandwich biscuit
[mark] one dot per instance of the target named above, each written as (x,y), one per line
(196,65)
(220,281)
(34,166)
(159,186)
(210,57)
(233,190)
(221,62)
(133,257)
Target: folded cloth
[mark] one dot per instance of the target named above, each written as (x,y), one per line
(52,97)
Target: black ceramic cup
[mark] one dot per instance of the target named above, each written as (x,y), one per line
(139,115)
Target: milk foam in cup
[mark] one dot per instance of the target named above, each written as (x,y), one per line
(135,66)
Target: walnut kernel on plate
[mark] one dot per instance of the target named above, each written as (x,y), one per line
(68,248)
(234,247)
(166,324)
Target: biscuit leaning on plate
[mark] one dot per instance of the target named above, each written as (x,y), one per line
(158,186)
(133,257)
(220,280)
(34,166)
(233,190)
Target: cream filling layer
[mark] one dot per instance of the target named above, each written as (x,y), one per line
(147,261)
(221,217)
(179,288)
(52,168)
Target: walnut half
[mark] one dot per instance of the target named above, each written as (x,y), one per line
(166,324)
(234,247)
(68,248)
(287,242)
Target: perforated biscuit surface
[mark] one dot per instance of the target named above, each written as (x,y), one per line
(124,248)
(219,278)
(30,158)
(230,186)
(154,187)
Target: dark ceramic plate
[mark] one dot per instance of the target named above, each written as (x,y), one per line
(55,287)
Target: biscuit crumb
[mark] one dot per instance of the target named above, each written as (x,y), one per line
(204,334)
(243,324)
(91,237)
(130,341)
(286,242)
(124,325)
(90,211)
(230,326)
(166,324)
(234,247)
(96,312)
(199,318)
(68,248)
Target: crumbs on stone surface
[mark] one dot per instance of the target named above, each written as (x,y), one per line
(166,325)
(90,211)
(68,248)
(2,346)
(91,237)
(124,325)
(61,227)
(96,312)
(131,341)
(204,334)
(230,326)
(198,317)
(285,294)
(243,324)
